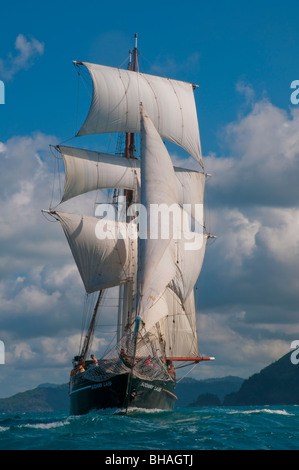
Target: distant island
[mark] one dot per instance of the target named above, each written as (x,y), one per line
(45,397)
(191,392)
(276,384)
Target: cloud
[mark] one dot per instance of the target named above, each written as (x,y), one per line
(42,297)
(166,64)
(262,159)
(247,91)
(27,51)
(248,293)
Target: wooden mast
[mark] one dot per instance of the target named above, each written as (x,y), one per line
(126,290)
(90,333)
(130,137)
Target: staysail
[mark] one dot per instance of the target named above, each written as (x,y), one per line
(156,254)
(117,94)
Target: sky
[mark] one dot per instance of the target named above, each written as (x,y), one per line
(244,57)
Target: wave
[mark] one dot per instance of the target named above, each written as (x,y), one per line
(263,410)
(45,426)
(2,429)
(136,410)
(246,427)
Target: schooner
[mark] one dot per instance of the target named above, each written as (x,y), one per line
(151,245)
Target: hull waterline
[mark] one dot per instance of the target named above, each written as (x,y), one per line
(121,392)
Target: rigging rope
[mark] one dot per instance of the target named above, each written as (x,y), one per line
(187,373)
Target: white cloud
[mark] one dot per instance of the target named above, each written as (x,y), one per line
(41,292)
(166,64)
(28,50)
(2,147)
(249,289)
(247,91)
(23,351)
(262,162)
(235,352)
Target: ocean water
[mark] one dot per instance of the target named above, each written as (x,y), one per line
(188,429)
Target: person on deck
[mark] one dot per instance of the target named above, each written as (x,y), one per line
(94,361)
(171,370)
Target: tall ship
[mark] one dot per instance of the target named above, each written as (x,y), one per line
(149,244)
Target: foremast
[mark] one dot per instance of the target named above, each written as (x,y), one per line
(90,333)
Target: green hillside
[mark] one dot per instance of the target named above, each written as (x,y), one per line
(42,398)
(276,384)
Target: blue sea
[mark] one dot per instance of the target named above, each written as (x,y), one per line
(185,429)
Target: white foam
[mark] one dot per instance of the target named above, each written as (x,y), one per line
(57,424)
(132,410)
(263,410)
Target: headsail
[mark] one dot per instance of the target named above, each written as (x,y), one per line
(177,324)
(169,103)
(158,185)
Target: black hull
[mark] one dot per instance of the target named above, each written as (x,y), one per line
(121,392)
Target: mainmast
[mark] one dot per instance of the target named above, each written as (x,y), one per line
(130,138)
(126,291)
(135,69)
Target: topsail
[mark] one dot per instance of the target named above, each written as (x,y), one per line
(169,103)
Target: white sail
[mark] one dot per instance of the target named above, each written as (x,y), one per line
(87,170)
(174,311)
(188,263)
(170,105)
(177,324)
(191,187)
(158,185)
(103,260)
(179,329)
